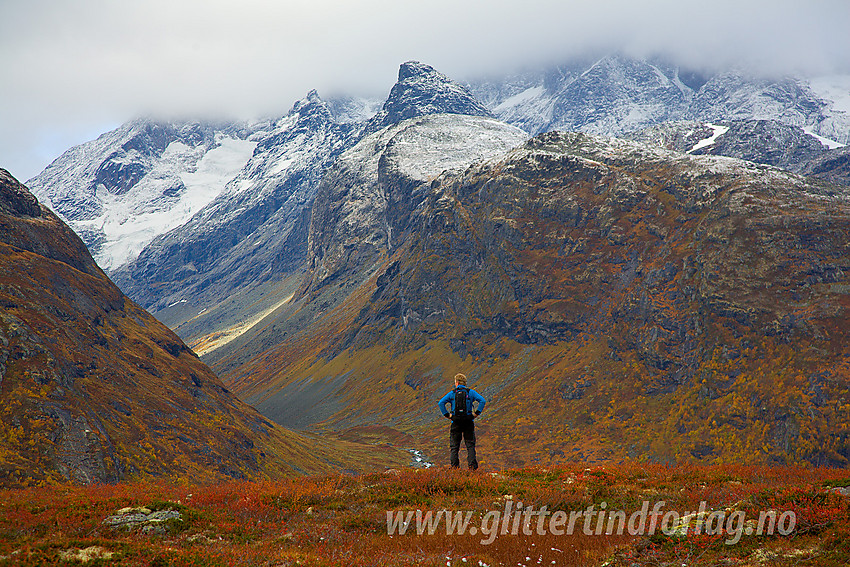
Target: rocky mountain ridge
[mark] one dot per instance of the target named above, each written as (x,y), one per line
(768,142)
(254,230)
(616,94)
(244,254)
(627,300)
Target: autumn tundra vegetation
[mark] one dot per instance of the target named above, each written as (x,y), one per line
(342,519)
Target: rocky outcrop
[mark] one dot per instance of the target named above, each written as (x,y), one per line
(145,520)
(26,225)
(15,199)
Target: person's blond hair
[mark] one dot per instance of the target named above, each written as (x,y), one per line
(460,379)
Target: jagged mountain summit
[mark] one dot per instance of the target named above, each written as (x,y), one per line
(94,389)
(252,232)
(616,94)
(422,90)
(244,255)
(122,190)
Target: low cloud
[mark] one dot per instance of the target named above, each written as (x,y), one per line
(72,67)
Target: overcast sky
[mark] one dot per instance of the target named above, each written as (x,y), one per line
(72,69)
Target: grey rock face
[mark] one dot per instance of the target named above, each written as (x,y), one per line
(421,90)
(610,96)
(761,141)
(734,96)
(832,165)
(617,95)
(768,142)
(365,201)
(479,243)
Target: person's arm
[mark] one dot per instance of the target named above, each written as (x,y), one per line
(447,399)
(476,397)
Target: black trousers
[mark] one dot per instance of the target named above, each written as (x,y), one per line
(464,429)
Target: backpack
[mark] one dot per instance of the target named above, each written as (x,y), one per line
(460,409)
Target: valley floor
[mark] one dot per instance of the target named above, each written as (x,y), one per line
(438,516)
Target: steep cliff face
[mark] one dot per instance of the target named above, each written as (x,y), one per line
(94,389)
(571,227)
(612,299)
(364,203)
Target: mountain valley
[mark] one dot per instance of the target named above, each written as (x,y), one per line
(675,294)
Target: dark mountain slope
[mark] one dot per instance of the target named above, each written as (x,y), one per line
(95,389)
(612,300)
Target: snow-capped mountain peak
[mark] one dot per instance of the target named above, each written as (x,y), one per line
(422,90)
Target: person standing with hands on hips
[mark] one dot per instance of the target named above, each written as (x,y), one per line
(462,414)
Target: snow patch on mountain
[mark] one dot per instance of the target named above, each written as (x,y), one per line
(254,228)
(706,142)
(451,143)
(528,95)
(348,109)
(831,144)
(181,183)
(128,186)
(216,168)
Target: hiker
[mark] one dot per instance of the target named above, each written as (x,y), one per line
(462,416)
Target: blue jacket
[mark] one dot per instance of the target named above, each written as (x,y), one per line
(450,398)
